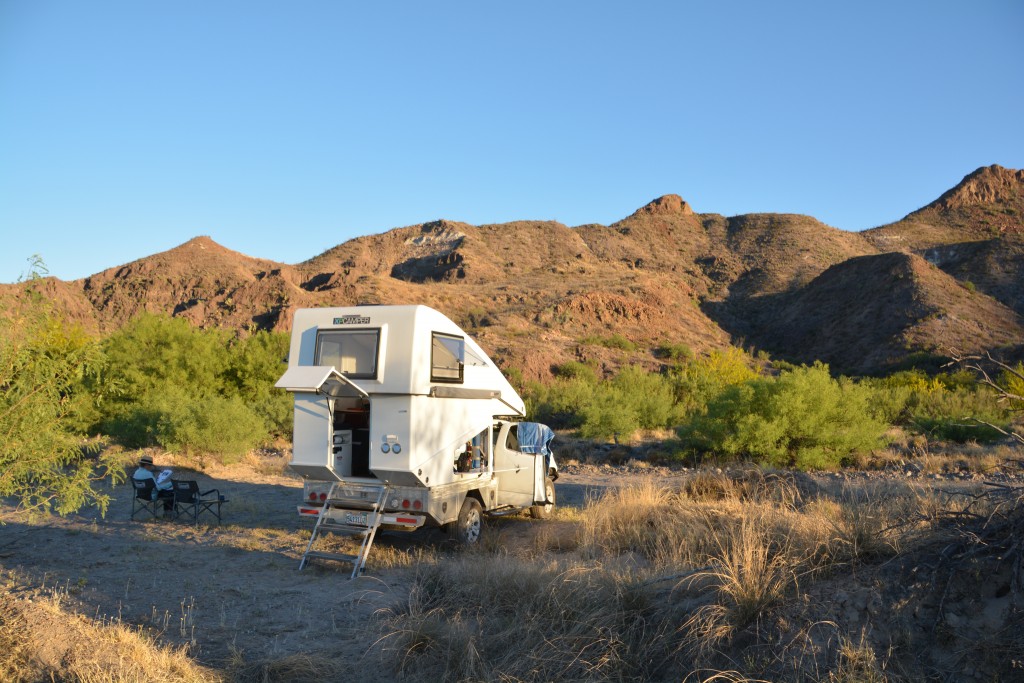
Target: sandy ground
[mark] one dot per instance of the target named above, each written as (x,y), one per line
(232,589)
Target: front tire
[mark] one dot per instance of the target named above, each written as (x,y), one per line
(544,511)
(470,523)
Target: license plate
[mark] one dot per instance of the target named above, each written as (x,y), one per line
(360,518)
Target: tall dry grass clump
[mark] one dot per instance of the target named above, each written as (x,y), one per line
(488,617)
(660,581)
(40,641)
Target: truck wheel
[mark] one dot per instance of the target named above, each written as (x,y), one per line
(470,523)
(544,511)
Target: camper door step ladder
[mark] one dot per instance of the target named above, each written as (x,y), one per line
(350,509)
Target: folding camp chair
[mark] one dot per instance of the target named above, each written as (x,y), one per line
(190,502)
(144,498)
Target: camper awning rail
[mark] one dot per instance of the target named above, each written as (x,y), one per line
(459,392)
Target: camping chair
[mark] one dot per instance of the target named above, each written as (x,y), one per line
(190,502)
(144,498)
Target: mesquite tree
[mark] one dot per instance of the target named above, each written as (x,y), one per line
(43,464)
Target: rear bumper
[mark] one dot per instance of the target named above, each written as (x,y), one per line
(400,520)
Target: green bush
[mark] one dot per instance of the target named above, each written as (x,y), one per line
(254,364)
(616,341)
(561,403)
(171,384)
(676,353)
(804,418)
(960,415)
(697,383)
(43,362)
(226,427)
(949,406)
(634,399)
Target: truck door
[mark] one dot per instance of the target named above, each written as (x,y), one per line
(519,474)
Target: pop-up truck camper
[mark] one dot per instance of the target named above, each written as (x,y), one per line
(403,422)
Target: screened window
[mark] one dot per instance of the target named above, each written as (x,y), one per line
(447,358)
(351,352)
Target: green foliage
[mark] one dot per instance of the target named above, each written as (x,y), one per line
(1013,383)
(804,418)
(42,365)
(949,406)
(676,353)
(171,384)
(616,341)
(561,403)
(254,365)
(633,400)
(225,426)
(577,370)
(697,383)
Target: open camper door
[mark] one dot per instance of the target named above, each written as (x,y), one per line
(317,388)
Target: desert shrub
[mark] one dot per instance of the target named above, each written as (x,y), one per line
(43,363)
(559,404)
(676,353)
(221,425)
(577,370)
(959,415)
(1013,383)
(945,405)
(171,384)
(803,418)
(616,341)
(634,399)
(698,382)
(254,364)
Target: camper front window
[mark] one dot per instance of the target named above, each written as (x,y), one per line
(447,358)
(351,352)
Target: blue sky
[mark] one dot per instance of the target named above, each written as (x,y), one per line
(284,129)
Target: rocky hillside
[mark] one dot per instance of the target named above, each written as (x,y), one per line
(537,293)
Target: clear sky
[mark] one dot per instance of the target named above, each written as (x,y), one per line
(282,129)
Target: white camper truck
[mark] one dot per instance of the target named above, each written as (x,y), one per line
(402,422)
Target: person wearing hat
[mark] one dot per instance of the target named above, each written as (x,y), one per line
(163,487)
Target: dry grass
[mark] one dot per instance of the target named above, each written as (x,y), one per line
(484,617)
(42,641)
(298,668)
(661,580)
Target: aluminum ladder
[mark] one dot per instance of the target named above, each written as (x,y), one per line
(350,509)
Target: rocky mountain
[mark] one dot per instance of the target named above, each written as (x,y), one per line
(974,232)
(539,293)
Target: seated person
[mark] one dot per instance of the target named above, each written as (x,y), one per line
(163,487)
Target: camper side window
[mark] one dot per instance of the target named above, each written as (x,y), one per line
(447,358)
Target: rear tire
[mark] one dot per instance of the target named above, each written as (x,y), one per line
(544,511)
(470,523)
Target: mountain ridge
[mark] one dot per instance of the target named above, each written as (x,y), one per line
(540,293)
